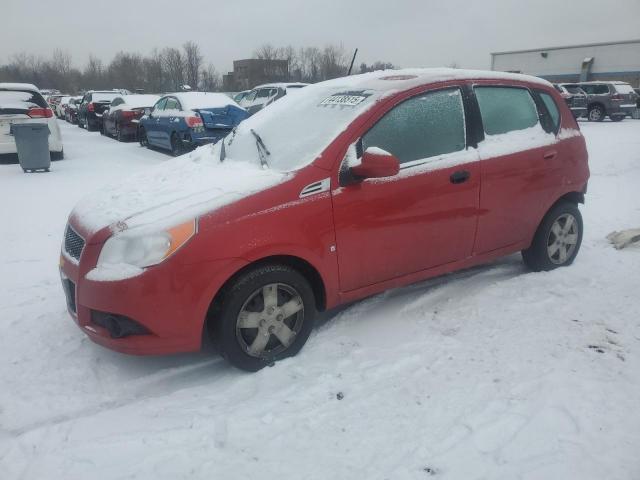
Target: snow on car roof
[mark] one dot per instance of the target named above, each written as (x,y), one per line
(19,86)
(194,100)
(282,85)
(392,80)
(140,100)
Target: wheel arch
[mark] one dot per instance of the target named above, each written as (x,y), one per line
(599,104)
(306,269)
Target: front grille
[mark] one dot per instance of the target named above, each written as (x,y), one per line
(73,243)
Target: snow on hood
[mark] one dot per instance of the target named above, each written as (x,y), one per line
(176,191)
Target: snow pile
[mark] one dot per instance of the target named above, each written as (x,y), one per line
(179,190)
(112,272)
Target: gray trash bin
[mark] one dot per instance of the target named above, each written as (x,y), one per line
(32,142)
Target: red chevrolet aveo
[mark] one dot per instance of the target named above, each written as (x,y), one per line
(348,188)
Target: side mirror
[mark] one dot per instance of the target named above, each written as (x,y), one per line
(376,163)
(147,112)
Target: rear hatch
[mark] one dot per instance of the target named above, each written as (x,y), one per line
(625,95)
(21,106)
(224,118)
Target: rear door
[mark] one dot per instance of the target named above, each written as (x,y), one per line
(170,121)
(426,215)
(518,161)
(152,123)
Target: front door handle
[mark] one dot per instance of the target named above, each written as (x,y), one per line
(550,155)
(460,176)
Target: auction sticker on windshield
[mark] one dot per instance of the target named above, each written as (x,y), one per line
(349,99)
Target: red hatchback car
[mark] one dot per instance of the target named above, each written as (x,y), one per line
(351,187)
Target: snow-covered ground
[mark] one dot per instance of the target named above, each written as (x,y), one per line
(491,373)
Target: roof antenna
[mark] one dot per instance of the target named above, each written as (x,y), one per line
(352,60)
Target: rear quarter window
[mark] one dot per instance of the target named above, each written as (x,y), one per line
(552,109)
(505,109)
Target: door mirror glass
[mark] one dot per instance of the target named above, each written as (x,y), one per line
(147,111)
(376,163)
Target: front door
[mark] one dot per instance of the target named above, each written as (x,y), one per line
(421,218)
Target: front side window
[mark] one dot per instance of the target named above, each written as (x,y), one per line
(263,93)
(505,109)
(425,126)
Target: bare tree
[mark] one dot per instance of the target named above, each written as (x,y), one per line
(210,79)
(173,66)
(192,62)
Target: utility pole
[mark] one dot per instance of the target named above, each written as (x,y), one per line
(352,60)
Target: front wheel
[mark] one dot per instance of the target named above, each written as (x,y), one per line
(265,315)
(142,137)
(596,113)
(557,240)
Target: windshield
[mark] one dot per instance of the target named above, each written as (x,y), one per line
(297,128)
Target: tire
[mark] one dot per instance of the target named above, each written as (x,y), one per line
(103,131)
(79,123)
(617,118)
(557,241)
(252,348)
(177,148)
(88,126)
(596,113)
(142,137)
(57,155)
(121,137)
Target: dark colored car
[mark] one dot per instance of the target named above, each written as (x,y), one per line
(71,110)
(123,116)
(93,104)
(575,98)
(182,121)
(615,100)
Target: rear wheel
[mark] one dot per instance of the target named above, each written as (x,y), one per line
(557,240)
(616,118)
(119,135)
(596,113)
(177,148)
(265,315)
(57,155)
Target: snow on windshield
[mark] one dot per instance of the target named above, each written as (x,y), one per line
(297,128)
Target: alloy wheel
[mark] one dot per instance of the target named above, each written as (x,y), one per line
(563,238)
(269,320)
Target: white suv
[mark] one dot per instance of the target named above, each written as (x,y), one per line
(23,103)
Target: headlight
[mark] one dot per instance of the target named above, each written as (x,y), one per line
(144,249)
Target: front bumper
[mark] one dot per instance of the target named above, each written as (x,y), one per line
(169,300)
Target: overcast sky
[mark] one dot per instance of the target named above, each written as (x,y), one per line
(404,32)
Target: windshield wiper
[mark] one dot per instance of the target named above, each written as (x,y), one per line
(262,149)
(223,151)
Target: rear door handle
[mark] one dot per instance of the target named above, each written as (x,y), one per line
(460,176)
(550,155)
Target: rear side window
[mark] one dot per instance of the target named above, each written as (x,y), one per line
(505,109)
(598,89)
(424,126)
(552,108)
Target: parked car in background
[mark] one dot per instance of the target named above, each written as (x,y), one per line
(93,104)
(181,121)
(61,105)
(575,97)
(615,100)
(264,95)
(351,187)
(123,115)
(22,103)
(71,109)
(53,101)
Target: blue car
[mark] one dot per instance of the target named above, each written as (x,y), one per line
(182,121)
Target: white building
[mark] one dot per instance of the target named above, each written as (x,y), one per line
(595,61)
